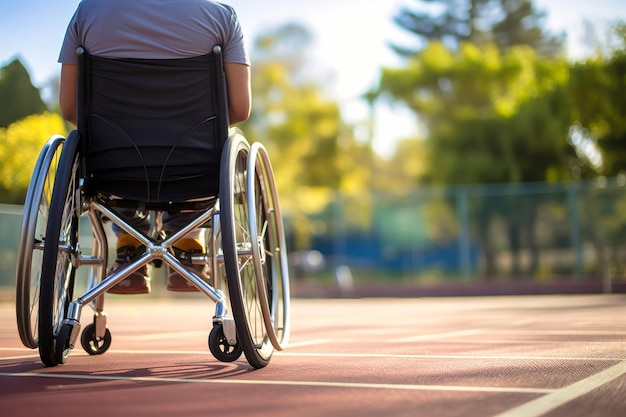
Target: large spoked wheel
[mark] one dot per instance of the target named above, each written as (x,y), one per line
(32,237)
(269,249)
(58,272)
(238,260)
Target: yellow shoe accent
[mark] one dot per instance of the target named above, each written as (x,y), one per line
(189,245)
(125,239)
(175,282)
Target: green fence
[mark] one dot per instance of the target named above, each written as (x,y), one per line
(539,231)
(10,219)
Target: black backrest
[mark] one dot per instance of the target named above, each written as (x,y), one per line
(152,130)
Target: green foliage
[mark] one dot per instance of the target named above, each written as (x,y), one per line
(598,92)
(404,170)
(313,151)
(18,97)
(491,116)
(20,145)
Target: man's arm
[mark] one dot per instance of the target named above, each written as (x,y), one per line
(238,91)
(67,93)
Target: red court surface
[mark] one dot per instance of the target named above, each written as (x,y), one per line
(474,356)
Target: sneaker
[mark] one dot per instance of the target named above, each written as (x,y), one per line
(136,283)
(175,281)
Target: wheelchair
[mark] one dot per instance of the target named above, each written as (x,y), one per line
(152,137)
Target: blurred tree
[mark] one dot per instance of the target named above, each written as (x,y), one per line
(507,111)
(506,23)
(406,167)
(450,21)
(314,154)
(20,145)
(520,23)
(18,97)
(598,95)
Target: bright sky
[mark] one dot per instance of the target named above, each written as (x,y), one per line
(350,46)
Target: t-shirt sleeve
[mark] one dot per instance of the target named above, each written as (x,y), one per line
(234,46)
(71,41)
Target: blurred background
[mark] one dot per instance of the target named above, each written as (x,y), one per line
(440,147)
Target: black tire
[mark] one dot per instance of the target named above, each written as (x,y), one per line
(30,243)
(92,344)
(58,272)
(238,262)
(220,348)
(269,249)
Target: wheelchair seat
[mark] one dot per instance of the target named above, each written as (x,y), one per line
(152,130)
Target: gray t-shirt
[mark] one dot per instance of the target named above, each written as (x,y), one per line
(155,29)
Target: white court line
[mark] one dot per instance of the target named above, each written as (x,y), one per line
(476,357)
(78,352)
(435,336)
(310,342)
(549,402)
(11,358)
(321,384)
(559,332)
(560,342)
(526,332)
(159,336)
(16,348)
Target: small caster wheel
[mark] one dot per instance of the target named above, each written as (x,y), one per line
(92,344)
(62,344)
(220,348)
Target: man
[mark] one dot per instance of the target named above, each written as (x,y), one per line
(155,29)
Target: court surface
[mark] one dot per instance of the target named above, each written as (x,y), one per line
(469,356)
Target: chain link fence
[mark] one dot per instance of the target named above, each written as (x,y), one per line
(493,232)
